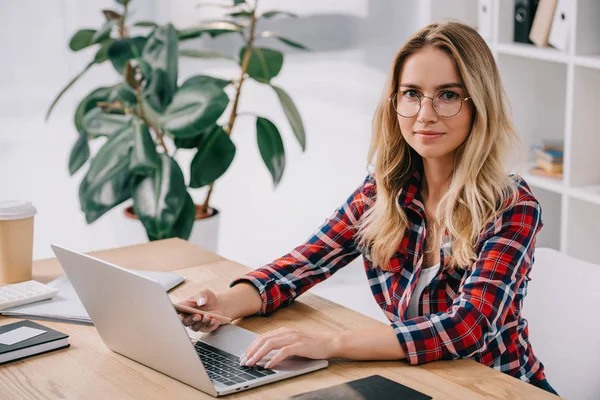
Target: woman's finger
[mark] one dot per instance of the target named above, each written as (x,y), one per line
(274,343)
(285,352)
(212,325)
(187,320)
(260,341)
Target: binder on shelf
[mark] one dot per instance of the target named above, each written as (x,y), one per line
(561,23)
(524,14)
(542,22)
(484,19)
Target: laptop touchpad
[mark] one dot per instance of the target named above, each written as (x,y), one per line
(230,338)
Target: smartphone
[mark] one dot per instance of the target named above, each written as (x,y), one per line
(190,310)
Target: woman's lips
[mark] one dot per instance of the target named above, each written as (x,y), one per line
(428,135)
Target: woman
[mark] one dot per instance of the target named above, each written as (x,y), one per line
(446,235)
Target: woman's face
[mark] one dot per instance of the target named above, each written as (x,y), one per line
(430,72)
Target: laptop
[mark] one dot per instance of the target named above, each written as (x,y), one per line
(135,318)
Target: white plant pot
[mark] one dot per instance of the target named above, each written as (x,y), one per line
(205,232)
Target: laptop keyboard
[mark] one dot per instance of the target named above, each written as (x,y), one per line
(225,368)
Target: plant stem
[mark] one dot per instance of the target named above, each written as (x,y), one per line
(159,135)
(122,22)
(233,115)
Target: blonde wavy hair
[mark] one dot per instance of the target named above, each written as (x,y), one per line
(480,188)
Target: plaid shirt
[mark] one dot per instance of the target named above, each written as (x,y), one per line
(473,313)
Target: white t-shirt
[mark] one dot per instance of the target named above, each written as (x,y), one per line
(427,275)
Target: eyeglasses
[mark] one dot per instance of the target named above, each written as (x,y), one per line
(408,103)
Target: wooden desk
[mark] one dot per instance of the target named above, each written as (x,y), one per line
(89,370)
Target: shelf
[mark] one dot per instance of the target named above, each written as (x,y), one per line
(531,51)
(588,61)
(550,184)
(590,193)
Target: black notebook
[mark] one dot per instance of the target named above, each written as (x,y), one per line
(26,338)
(374,387)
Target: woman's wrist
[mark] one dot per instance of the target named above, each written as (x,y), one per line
(240,301)
(336,344)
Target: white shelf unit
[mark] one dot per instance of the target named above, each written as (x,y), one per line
(555,94)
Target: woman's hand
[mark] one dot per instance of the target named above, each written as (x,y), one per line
(205,300)
(289,342)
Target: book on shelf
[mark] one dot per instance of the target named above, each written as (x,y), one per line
(542,22)
(551,156)
(549,166)
(546,174)
(26,338)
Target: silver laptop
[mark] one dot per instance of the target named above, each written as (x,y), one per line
(135,318)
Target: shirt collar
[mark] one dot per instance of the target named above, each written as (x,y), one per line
(409,193)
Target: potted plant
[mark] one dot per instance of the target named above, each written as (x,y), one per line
(151,113)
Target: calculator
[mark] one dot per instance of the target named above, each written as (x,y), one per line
(18,294)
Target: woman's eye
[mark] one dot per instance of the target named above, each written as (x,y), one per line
(448,95)
(410,94)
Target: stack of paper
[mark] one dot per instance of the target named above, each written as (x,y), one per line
(66,305)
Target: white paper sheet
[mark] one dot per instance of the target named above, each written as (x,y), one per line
(20,334)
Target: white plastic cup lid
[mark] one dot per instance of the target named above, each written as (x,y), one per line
(16,209)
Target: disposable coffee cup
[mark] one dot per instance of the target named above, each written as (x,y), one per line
(16,240)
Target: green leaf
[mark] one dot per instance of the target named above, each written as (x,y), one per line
(204,79)
(214,28)
(107,182)
(82,39)
(103,33)
(98,123)
(102,53)
(157,91)
(185,222)
(215,154)
(80,153)
(151,115)
(122,50)
(193,141)
(144,67)
(264,64)
(292,114)
(238,2)
(273,13)
(289,42)
(88,103)
(159,198)
(271,148)
(194,108)
(144,158)
(204,54)
(125,94)
(146,24)
(63,91)
(161,53)
(241,14)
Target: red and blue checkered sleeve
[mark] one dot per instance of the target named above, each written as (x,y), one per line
(330,248)
(478,313)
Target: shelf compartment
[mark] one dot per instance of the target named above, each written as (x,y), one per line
(587,28)
(536,91)
(582,230)
(551,203)
(584,163)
